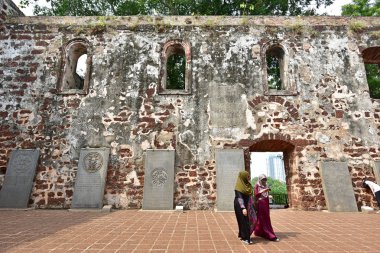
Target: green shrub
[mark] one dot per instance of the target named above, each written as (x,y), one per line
(277,186)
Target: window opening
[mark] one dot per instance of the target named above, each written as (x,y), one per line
(175,73)
(72,79)
(76,68)
(81,66)
(275,59)
(373,79)
(176,70)
(371,59)
(272,165)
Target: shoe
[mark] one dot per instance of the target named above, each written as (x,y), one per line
(277,240)
(247,242)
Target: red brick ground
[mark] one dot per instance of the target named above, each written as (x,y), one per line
(192,231)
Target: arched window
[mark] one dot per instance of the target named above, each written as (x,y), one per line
(76,64)
(176,68)
(275,66)
(371,59)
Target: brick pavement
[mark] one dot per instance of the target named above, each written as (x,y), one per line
(192,231)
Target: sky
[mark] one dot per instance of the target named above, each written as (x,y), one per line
(333,10)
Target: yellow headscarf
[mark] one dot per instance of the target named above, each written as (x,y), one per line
(242,183)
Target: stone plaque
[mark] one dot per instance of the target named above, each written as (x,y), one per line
(19,177)
(337,187)
(91,178)
(228,164)
(227,109)
(159,180)
(376,171)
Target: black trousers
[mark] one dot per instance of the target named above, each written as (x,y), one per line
(377,195)
(243,222)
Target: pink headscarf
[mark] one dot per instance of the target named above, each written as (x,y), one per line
(261,186)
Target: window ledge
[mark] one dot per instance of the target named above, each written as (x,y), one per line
(280,93)
(175,92)
(73,92)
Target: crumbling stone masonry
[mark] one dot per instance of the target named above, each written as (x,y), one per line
(323,111)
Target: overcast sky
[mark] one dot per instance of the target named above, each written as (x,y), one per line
(334,9)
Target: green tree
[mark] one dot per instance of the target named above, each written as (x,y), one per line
(373,79)
(367,8)
(178,7)
(273,72)
(176,70)
(362,8)
(276,186)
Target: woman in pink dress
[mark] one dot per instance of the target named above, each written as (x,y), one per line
(263,226)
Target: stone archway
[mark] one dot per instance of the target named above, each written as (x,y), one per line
(288,148)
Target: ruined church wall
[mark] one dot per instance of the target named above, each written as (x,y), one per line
(330,117)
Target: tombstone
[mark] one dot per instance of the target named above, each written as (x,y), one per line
(159,180)
(91,178)
(229,162)
(376,171)
(19,177)
(337,187)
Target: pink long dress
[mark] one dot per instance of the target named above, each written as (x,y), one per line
(263,226)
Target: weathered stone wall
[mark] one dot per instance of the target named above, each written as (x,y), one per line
(9,8)
(330,117)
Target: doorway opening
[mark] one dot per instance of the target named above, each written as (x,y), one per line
(272,165)
(277,161)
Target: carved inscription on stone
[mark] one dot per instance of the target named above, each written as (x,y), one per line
(337,187)
(91,178)
(376,171)
(159,180)
(228,164)
(22,163)
(226,106)
(93,161)
(159,177)
(18,181)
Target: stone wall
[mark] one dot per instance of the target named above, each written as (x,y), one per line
(9,8)
(327,115)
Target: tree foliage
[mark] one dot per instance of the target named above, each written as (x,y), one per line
(176,70)
(373,79)
(273,72)
(276,186)
(362,8)
(367,8)
(177,7)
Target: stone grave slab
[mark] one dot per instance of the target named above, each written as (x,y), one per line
(18,181)
(228,164)
(337,187)
(222,114)
(159,180)
(91,178)
(376,171)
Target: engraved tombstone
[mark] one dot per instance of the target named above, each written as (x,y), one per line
(227,109)
(228,164)
(376,171)
(91,178)
(337,187)
(19,177)
(159,180)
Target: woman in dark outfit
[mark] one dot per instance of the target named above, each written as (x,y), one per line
(243,206)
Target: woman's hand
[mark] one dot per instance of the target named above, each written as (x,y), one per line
(245,212)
